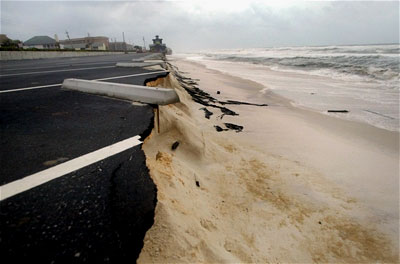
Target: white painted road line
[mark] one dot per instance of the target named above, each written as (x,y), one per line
(132,75)
(59,84)
(34,180)
(139,64)
(66,70)
(57,65)
(30,88)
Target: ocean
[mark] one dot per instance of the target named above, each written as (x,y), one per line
(363,80)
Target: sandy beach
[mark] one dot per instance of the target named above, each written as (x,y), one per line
(266,183)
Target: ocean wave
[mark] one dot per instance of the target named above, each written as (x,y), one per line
(371,62)
(363,79)
(368,49)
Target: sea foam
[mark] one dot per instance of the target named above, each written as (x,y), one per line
(362,79)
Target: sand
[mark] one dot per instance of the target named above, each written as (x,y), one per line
(293,186)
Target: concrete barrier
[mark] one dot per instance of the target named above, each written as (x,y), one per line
(154,61)
(140,64)
(156,56)
(143,94)
(30,55)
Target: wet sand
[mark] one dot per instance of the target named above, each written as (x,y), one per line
(292,186)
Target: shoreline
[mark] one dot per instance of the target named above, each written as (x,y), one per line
(232,196)
(314,92)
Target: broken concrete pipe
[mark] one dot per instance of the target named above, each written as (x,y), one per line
(154,96)
(139,93)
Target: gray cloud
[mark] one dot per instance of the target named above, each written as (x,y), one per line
(194,26)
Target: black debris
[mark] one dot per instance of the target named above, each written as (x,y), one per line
(207,100)
(220,129)
(227,111)
(201,97)
(197,183)
(175,145)
(237,128)
(207,113)
(338,111)
(232,102)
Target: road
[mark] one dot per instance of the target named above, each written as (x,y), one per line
(93,213)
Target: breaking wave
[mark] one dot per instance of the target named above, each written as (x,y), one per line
(378,62)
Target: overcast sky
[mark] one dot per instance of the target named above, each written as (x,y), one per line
(212,24)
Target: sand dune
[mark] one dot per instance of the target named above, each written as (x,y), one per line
(259,195)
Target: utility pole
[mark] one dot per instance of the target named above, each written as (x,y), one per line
(89,41)
(70,42)
(124,43)
(113,45)
(144,45)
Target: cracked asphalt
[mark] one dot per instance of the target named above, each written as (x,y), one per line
(97,214)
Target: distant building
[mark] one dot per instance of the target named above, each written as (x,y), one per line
(158,46)
(86,43)
(82,46)
(41,42)
(76,46)
(121,46)
(117,46)
(99,46)
(130,47)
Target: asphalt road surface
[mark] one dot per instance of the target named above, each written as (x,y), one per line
(97,213)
